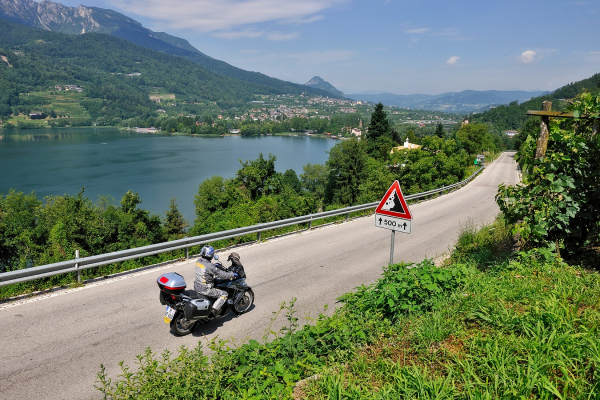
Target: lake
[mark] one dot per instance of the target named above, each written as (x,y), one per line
(157,167)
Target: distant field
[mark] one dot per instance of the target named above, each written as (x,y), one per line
(165,96)
(64,103)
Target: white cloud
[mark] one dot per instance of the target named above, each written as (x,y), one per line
(323,57)
(279,36)
(452,60)
(447,32)
(245,33)
(593,56)
(252,34)
(527,57)
(224,15)
(418,30)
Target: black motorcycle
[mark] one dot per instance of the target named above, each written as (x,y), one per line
(185,308)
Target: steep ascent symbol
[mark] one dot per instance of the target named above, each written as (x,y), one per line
(393,203)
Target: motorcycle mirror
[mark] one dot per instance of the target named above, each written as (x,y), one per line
(216,257)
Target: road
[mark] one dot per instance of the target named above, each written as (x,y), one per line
(53,345)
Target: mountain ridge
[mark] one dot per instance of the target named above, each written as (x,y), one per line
(464,101)
(56,17)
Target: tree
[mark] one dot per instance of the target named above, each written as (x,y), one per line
(314,179)
(174,224)
(531,128)
(439,131)
(137,227)
(19,218)
(259,177)
(472,137)
(291,179)
(347,166)
(130,201)
(410,135)
(5,111)
(379,125)
(379,136)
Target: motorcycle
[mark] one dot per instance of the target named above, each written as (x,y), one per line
(186,308)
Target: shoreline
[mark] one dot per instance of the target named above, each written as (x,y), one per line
(157,132)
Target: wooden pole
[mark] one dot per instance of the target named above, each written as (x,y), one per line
(542,142)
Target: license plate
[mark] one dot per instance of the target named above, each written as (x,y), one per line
(169,314)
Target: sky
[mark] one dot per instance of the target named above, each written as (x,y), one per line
(396,46)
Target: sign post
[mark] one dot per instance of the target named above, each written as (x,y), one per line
(393,213)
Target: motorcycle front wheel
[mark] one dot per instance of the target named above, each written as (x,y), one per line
(243,302)
(181,326)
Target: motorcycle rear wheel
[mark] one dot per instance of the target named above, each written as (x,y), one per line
(243,302)
(181,326)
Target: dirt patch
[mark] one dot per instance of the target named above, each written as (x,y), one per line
(453,346)
(169,96)
(6,61)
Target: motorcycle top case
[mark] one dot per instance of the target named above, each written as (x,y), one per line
(196,309)
(171,283)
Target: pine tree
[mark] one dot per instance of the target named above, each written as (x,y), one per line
(379,136)
(175,224)
(439,131)
(379,125)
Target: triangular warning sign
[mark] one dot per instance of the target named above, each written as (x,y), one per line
(393,203)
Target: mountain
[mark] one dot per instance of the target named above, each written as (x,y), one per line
(319,83)
(117,77)
(56,17)
(459,102)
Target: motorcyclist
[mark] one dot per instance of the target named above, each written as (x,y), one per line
(206,272)
(236,265)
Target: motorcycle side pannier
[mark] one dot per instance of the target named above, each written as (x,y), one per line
(196,309)
(171,283)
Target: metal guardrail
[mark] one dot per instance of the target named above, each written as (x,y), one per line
(78,264)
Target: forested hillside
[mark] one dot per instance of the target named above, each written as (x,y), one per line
(514,115)
(75,20)
(34,60)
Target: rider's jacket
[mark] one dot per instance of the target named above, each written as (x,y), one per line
(206,272)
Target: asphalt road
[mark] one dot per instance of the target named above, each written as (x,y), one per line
(53,345)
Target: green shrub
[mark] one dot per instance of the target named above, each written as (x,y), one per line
(406,289)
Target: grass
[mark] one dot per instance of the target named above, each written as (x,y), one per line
(529,332)
(493,325)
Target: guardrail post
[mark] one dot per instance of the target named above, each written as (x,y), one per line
(258,236)
(347,216)
(187,251)
(310,223)
(77,266)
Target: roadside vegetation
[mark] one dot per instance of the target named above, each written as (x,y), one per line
(503,317)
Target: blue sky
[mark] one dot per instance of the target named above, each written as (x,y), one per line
(397,46)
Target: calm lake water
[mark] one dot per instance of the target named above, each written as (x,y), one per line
(158,167)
